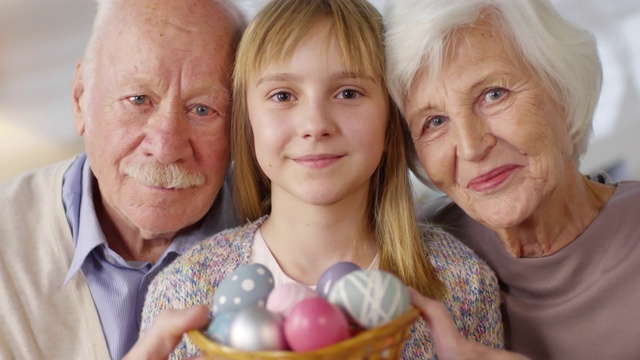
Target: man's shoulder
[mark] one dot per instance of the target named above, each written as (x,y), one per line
(40,179)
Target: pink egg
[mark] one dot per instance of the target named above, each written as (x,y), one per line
(285,296)
(313,324)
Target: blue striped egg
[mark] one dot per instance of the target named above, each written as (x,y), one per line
(370,297)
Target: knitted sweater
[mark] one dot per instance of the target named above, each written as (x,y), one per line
(473,296)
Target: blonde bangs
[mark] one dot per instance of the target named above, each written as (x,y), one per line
(280,27)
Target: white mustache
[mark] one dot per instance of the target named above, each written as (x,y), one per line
(170,176)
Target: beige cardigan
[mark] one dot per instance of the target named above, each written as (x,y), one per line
(40,317)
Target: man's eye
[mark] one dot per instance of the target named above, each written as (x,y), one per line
(138,99)
(202,110)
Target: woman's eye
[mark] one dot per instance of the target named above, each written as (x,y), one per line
(138,99)
(348,94)
(435,122)
(494,94)
(282,96)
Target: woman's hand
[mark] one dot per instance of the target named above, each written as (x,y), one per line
(450,344)
(166,332)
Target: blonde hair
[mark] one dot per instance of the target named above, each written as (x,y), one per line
(271,38)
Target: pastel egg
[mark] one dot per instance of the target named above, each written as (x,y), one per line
(257,329)
(371,298)
(332,274)
(315,323)
(285,296)
(218,329)
(247,286)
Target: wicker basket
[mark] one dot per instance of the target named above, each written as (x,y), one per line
(384,342)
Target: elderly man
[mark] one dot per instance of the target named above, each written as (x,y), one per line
(82,239)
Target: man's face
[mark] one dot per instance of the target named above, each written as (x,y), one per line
(154,112)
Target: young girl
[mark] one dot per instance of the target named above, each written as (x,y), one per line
(321,175)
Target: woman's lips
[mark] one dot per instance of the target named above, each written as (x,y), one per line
(492,179)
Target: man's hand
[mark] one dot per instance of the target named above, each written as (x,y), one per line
(166,332)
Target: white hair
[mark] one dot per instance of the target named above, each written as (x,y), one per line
(104,8)
(564,56)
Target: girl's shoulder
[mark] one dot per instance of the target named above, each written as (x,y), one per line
(453,261)
(226,249)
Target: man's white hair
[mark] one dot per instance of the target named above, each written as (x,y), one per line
(236,11)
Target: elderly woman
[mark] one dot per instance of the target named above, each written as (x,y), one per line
(499,98)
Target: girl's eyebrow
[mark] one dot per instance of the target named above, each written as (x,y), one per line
(294,77)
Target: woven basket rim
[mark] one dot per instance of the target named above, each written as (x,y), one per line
(402,322)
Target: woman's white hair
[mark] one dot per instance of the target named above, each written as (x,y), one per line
(564,56)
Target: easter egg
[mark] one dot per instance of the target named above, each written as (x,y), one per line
(247,286)
(218,329)
(257,329)
(285,296)
(315,323)
(332,274)
(371,298)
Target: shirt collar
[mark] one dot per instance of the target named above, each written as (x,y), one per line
(88,234)
(77,191)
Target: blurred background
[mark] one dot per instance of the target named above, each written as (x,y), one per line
(40,42)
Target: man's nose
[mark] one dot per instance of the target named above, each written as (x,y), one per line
(168,135)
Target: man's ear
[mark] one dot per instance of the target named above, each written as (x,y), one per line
(77,103)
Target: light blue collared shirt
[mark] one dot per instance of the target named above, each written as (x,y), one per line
(118,287)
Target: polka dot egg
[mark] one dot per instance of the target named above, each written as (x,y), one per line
(247,286)
(372,298)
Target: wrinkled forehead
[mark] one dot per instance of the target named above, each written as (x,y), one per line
(156,18)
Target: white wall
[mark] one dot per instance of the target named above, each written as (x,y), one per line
(40,42)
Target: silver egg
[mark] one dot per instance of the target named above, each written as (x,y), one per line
(257,329)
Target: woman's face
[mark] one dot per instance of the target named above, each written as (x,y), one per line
(318,129)
(486,130)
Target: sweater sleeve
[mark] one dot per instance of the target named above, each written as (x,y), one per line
(178,286)
(473,294)
(193,278)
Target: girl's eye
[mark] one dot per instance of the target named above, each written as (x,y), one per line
(138,99)
(282,96)
(494,94)
(348,94)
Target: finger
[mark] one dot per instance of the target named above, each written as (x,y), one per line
(444,332)
(167,331)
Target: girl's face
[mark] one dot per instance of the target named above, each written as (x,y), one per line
(319,129)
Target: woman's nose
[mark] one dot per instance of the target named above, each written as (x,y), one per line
(474,138)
